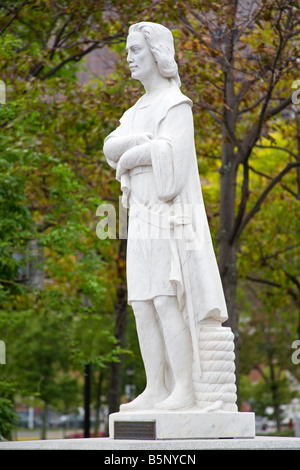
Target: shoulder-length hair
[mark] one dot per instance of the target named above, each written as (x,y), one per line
(161,44)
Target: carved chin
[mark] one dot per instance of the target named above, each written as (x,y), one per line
(133,72)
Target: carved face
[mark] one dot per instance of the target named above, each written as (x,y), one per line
(139,57)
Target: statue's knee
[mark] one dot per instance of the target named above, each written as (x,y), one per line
(137,308)
(165,305)
(143,310)
(160,304)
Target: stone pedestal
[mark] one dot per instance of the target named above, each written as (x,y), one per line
(186,424)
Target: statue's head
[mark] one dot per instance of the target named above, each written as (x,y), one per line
(161,44)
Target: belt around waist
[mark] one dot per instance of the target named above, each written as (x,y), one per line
(140,169)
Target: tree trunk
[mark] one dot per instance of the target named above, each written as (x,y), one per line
(44,422)
(229,280)
(274,389)
(98,403)
(227,246)
(87,399)
(116,368)
(228,175)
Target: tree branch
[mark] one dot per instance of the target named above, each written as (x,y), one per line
(192,30)
(246,110)
(292,278)
(279,252)
(79,54)
(266,113)
(264,281)
(277,109)
(206,24)
(15,283)
(277,148)
(211,111)
(59,34)
(263,196)
(250,18)
(292,293)
(17,11)
(260,370)
(244,90)
(20,20)
(243,203)
(260,173)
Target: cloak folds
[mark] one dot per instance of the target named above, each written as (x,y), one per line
(175,184)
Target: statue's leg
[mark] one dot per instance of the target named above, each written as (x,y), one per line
(153,354)
(179,349)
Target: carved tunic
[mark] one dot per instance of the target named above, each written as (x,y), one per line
(163,177)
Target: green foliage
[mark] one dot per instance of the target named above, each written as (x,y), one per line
(53,176)
(8,418)
(259,395)
(52,180)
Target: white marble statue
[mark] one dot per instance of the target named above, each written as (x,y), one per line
(174,285)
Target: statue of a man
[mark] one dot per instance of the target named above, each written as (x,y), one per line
(173,281)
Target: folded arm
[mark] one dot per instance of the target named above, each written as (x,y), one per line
(137,156)
(115,146)
(169,153)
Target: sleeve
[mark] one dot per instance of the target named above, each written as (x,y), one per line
(119,141)
(136,156)
(116,144)
(171,149)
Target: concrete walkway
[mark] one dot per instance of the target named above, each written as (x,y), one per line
(107,444)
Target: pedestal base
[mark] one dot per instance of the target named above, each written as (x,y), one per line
(186,424)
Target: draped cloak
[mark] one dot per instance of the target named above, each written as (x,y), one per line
(168,189)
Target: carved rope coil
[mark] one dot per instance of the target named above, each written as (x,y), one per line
(214,377)
(225,406)
(215,388)
(217,366)
(217,355)
(212,397)
(213,333)
(217,346)
(210,388)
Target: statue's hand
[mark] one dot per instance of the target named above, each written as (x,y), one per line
(143,138)
(114,147)
(137,156)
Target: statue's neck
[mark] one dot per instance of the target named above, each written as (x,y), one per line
(155,84)
(158,90)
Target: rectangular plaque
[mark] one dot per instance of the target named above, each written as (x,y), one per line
(134,430)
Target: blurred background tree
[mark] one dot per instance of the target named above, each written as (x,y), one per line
(237,61)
